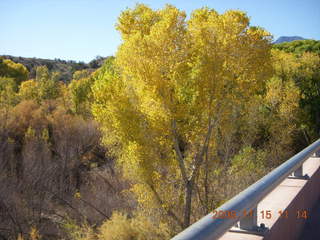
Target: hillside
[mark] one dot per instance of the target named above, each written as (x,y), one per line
(66,68)
(299,46)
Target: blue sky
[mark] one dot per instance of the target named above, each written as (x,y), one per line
(83,29)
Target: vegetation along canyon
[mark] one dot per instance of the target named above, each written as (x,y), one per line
(190,110)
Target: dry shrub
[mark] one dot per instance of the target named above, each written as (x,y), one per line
(48,154)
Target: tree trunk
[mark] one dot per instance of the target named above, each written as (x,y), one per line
(206,187)
(187,207)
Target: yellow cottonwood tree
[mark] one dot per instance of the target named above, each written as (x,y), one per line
(13,70)
(174,85)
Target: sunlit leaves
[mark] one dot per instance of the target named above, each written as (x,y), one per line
(13,70)
(174,83)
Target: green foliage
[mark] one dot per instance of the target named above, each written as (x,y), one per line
(48,85)
(248,161)
(106,68)
(304,71)
(299,46)
(81,92)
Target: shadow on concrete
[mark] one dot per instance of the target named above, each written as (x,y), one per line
(311,230)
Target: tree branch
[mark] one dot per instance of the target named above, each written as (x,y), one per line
(200,154)
(178,152)
(95,208)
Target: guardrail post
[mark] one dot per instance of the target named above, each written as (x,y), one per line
(298,173)
(249,222)
(316,154)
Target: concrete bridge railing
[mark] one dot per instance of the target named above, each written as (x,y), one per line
(283,197)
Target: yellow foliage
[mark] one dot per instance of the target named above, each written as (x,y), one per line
(29,90)
(282,99)
(138,228)
(34,234)
(77,195)
(20,237)
(17,71)
(177,82)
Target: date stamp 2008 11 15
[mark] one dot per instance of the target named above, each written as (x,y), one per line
(264,214)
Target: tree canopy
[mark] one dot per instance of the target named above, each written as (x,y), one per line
(176,86)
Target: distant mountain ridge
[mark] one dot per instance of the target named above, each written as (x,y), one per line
(288,39)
